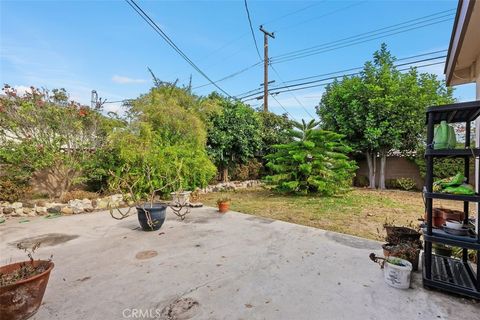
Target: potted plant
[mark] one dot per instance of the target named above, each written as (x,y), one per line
(409,251)
(22,286)
(223,204)
(402,242)
(151,213)
(396,271)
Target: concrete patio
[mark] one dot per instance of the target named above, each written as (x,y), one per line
(213,266)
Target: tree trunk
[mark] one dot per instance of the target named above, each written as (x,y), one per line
(383,164)
(372,168)
(225,174)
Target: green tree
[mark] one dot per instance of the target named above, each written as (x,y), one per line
(234,135)
(163,144)
(275,130)
(382,109)
(315,161)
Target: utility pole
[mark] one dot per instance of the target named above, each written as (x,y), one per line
(266,34)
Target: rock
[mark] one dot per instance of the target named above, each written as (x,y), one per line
(32,214)
(41,210)
(102,203)
(28,210)
(116,198)
(89,210)
(67,210)
(29,204)
(41,203)
(196,204)
(55,209)
(8,210)
(16,205)
(18,212)
(79,206)
(50,205)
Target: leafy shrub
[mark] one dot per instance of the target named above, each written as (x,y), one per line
(315,162)
(12,191)
(361,181)
(392,184)
(248,171)
(42,129)
(163,146)
(407,184)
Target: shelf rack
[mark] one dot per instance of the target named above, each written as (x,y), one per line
(446,273)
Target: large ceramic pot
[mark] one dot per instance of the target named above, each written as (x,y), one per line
(151,216)
(22,299)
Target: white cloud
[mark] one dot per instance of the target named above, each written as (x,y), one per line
(21,90)
(126,80)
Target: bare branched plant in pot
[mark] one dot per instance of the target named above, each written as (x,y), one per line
(23,284)
(150,209)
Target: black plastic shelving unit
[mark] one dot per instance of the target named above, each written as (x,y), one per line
(446,273)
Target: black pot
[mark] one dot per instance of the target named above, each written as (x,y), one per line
(398,235)
(157,213)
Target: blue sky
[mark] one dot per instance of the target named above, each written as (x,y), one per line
(106,46)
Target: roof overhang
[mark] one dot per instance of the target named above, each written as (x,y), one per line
(464,48)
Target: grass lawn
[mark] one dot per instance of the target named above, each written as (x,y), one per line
(360,212)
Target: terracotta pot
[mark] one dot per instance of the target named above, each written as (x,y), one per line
(437,218)
(440,215)
(223,207)
(393,250)
(22,299)
(449,214)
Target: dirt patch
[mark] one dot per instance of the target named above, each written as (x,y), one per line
(148,254)
(181,309)
(46,240)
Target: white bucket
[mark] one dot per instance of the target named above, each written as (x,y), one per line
(397,276)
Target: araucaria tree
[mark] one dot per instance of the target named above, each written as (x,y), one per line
(381,110)
(315,161)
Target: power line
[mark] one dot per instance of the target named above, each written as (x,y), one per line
(371,31)
(257,91)
(326,83)
(294,12)
(356,68)
(336,47)
(359,38)
(323,15)
(251,29)
(283,58)
(169,41)
(291,93)
(231,75)
(281,105)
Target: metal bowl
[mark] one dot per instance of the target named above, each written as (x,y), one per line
(457,232)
